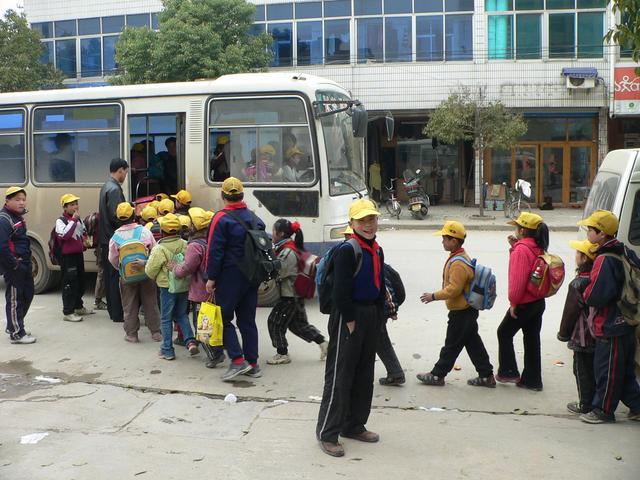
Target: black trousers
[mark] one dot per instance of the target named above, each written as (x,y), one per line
(387,353)
(72,282)
(111,286)
(530,322)
(18,295)
(348,377)
(289,314)
(585,377)
(462,332)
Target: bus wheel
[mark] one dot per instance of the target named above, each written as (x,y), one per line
(43,277)
(268,294)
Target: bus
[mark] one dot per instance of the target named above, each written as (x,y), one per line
(188,135)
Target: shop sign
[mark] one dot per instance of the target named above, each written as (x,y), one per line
(626,91)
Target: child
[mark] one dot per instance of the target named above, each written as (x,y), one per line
(194,265)
(575,328)
(525,311)
(354,329)
(137,293)
(148,215)
(289,312)
(462,329)
(182,202)
(72,237)
(614,366)
(172,305)
(15,264)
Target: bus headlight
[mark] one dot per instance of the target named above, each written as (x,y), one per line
(337,232)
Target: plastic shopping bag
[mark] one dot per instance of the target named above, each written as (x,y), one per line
(210,324)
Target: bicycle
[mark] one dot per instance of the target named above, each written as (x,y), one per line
(393,206)
(514,204)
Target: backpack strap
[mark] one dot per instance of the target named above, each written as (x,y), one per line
(137,233)
(242,222)
(357,250)
(460,258)
(8,218)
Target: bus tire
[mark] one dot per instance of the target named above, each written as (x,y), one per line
(268,294)
(44,278)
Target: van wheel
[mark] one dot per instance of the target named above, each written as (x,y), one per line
(268,294)
(44,278)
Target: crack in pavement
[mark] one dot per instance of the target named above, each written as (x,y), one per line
(129,422)
(48,398)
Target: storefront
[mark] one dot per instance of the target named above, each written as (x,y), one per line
(624,128)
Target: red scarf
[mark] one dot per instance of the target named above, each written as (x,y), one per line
(235,205)
(374,250)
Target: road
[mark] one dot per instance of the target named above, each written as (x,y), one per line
(120,412)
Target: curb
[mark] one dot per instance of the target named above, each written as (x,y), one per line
(473,227)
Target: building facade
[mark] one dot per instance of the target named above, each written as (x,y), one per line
(544,58)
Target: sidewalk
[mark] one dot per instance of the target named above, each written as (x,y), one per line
(559,220)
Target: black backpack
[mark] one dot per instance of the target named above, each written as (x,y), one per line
(394,284)
(325,270)
(259,263)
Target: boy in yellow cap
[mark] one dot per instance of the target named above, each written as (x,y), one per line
(183,201)
(355,321)
(614,364)
(15,263)
(462,328)
(71,238)
(575,329)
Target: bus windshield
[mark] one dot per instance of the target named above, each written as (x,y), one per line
(344,152)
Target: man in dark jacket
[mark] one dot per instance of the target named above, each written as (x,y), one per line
(233,291)
(614,364)
(15,264)
(110,197)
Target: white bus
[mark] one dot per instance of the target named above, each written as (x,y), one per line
(59,141)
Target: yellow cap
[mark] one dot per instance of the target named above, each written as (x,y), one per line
(165,206)
(584,246)
(148,213)
(161,196)
(68,198)
(169,223)
(184,220)
(232,186)
(348,230)
(362,208)
(124,211)
(153,203)
(452,229)
(293,151)
(13,190)
(223,140)
(200,218)
(527,220)
(267,150)
(183,197)
(603,220)
(138,147)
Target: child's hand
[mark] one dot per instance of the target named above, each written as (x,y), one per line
(426,297)
(171,266)
(512,240)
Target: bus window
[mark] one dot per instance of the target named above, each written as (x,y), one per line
(12,154)
(75,144)
(260,141)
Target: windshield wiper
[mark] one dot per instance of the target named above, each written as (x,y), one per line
(355,190)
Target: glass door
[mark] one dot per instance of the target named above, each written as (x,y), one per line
(552,174)
(580,173)
(526,168)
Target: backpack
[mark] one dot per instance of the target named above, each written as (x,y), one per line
(630,295)
(91,225)
(202,270)
(546,276)
(55,246)
(129,251)
(482,291)
(394,285)
(305,282)
(324,273)
(259,263)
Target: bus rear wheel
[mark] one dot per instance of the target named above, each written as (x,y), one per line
(44,279)
(268,294)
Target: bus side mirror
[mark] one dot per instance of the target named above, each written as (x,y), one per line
(359,119)
(390,124)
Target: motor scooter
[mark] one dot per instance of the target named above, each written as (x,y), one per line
(418,198)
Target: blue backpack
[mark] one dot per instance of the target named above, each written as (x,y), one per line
(131,250)
(482,291)
(324,273)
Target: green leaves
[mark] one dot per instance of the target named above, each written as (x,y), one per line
(627,32)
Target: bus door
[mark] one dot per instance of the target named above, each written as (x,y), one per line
(156,153)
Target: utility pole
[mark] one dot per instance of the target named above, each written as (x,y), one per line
(479,150)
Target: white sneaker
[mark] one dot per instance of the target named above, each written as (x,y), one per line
(324,347)
(278,359)
(83,311)
(26,340)
(72,317)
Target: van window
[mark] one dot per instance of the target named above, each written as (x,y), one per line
(603,193)
(12,153)
(634,224)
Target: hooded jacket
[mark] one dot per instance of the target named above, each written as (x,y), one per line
(71,234)
(288,273)
(14,243)
(163,253)
(193,265)
(522,256)
(574,325)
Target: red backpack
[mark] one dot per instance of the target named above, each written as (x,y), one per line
(546,276)
(305,282)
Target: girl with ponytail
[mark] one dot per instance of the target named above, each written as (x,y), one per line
(289,313)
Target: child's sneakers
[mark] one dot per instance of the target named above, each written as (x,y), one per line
(595,417)
(167,356)
(431,379)
(100,305)
(279,359)
(578,408)
(83,311)
(255,372)
(193,348)
(489,382)
(235,369)
(324,347)
(24,340)
(635,416)
(72,317)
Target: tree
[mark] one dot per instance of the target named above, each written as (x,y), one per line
(195,39)
(489,124)
(627,32)
(20,53)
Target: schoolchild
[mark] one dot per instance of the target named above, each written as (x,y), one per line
(148,215)
(576,329)
(194,265)
(289,313)
(462,328)
(354,330)
(614,364)
(15,264)
(72,238)
(172,305)
(183,201)
(531,238)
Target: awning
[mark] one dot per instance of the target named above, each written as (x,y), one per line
(580,72)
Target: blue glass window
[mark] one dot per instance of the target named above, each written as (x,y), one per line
(109,53)
(458,5)
(590,33)
(12,152)
(155,23)
(529,36)
(309,10)
(282,44)
(592,3)
(459,37)
(368,7)
(140,20)
(90,57)
(280,11)
(337,8)
(427,6)
(561,35)
(257,29)
(500,37)
(309,43)
(66,57)
(65,28)
(11,120)
(498,5)
(337,44)
(259,15)
(429,38)
(47,53)
(112,24)
(369,39)
(529,4)
(398,38)
(45,29)
(88,26)
(560,4)
(397,6)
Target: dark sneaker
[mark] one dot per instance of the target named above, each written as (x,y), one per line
(255,372)
(635,416)
(392,381)
(234,370)
(333,449)
(180,342)
(167,356)
(534,388)
(431,379)
(594,417)
(100,305)
(366,436)
(507,378)
(577,408)
(212,363)
(193,348)
(489,382)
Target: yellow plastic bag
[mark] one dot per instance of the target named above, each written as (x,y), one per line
(210,324)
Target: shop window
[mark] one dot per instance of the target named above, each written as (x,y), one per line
(65,28)
(580,174)
(580,129)
(337,45)
(428,6)
(309,43)
(282,43)
(66,57)
(398,39)
(45,29)
(546,129)
(528,36)
(309,10)
(337,8)
(113,24)
(89,26)
(282,11)
(500,167)
(12,152)
(138,21)
(369,39)
(561,35)
(500,37)
(429,39)
(458,37)
(368,7)
(109,53)
(397,6)
(590,33)
(90,57)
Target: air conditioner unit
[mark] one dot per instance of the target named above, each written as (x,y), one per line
(580,83)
